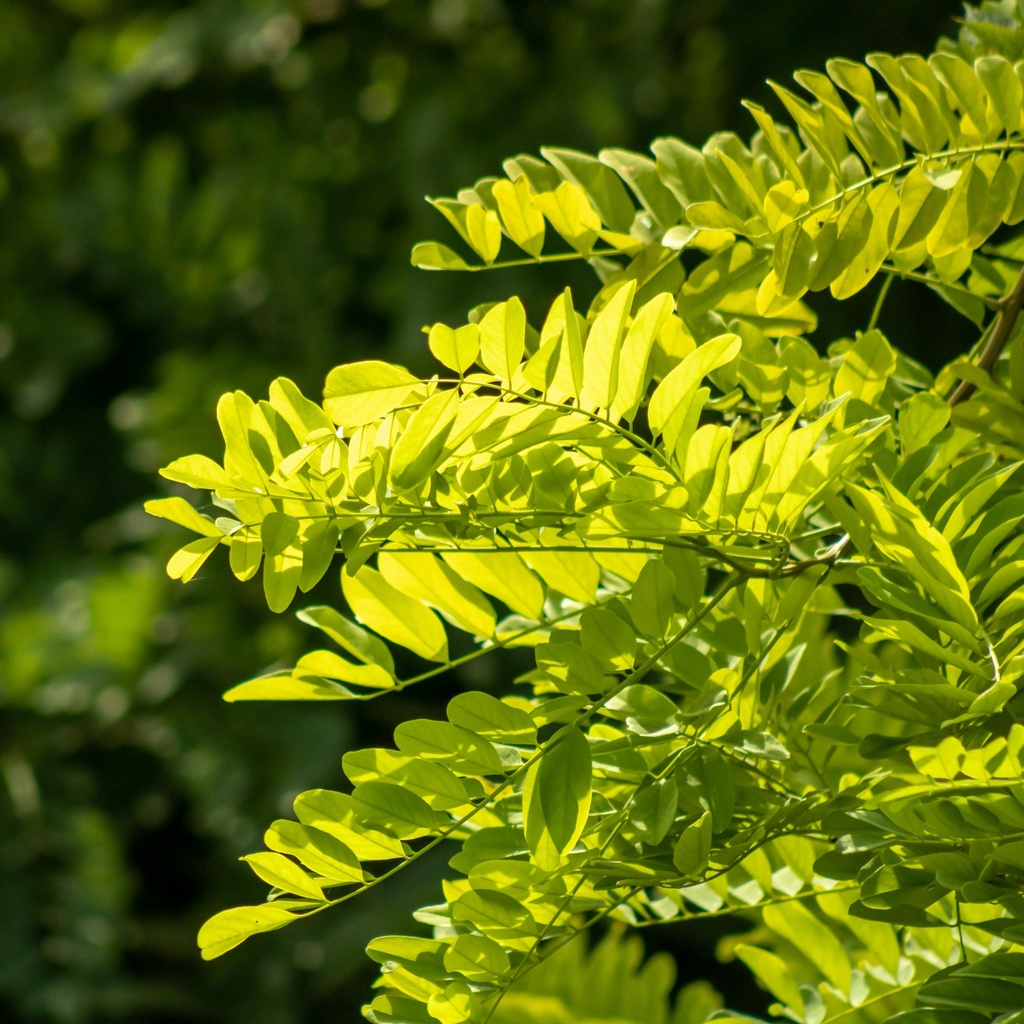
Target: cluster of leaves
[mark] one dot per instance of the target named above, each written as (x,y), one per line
(773,598)
(189,192)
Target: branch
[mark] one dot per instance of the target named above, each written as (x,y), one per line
(1002,328)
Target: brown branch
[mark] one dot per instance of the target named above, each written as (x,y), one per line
(1002,328)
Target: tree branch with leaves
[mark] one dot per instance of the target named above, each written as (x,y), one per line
(679,505)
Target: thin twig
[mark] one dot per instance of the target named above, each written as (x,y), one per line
(1002,329)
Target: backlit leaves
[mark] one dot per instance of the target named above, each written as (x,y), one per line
(768,597)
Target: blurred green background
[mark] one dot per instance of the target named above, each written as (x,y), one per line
(198,195)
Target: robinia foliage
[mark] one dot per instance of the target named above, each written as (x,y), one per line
(773,598)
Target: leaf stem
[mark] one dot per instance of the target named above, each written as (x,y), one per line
(935,282)
(555,257)
(879,303)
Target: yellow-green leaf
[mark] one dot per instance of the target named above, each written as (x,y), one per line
(569,212)
(426,578)
(227,929)
(434,256)
(421,443)
(179,511)
(456,349)
(503,338)
(278,871)
(394,615)
(601,354)
(187,561)
(523,221)
(556,797)
(319,851)
(359,393)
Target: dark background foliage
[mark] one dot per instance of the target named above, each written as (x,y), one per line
(198,195)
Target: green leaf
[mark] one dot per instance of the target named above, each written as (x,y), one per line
(408,952)
(302,416)
(463,751)
(187,561)
(197,471)
(320,852)
(319,544)
(394,615)
(793,260)
(921,417)
(487,716)
(438,787)
(991,995)
(840,240)
(329,664)
(457,1004)
(333,813)
(421,444)
(808,376)
(483,230)
(281,873)
(575,575)
(654,810)
(476,957)
(278,531)
(571,668)
(601,355)
(523,221)
(933,1016)
(426,578)
(640,173)
(179,511)
(235,416)
(635,354)
(229,928)
(609,639)
(569,212)
(963,210)
(434,256)
(503,575)
(775,975)
(285,686)
(359,393)
(996,74)
(599,182)
(282,568)
(681,168)
(670,404)
(960,78)
(393,1009)
(651,605)
(246,552)
(693,847)
(883,204)
(477,225)
(814,938)
(503,339)
(497,915)
(556,797)
(362,645)
(713,216)
(397,809)
(456,349)
(867,365)
(921,205)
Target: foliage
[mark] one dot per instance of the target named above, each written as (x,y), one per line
(772,598)
(126,793)
(194,196)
